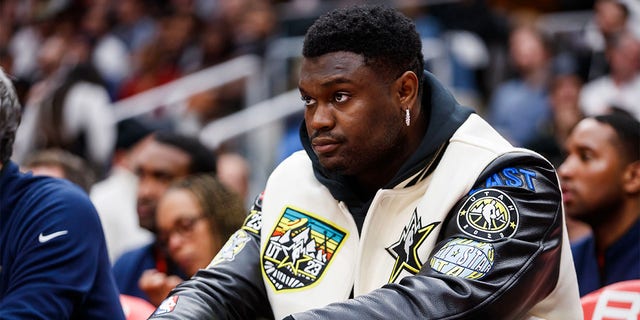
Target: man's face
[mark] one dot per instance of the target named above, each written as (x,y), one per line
(156,165)
(591,175)
(353,119)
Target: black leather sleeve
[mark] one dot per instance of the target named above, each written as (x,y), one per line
(520,265)
(231,287)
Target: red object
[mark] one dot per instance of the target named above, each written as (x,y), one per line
(136,308)
(620,300)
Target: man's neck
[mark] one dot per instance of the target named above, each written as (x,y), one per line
(616,225)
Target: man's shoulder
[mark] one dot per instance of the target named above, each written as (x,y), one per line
(297,161)
(135,257)
(54,188)
(46,196)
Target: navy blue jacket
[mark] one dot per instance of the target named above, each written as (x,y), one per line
(621,261)
(53,256)
(129,268)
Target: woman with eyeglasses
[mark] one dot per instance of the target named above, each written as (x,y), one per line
(195,217)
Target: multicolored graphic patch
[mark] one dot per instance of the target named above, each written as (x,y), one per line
(405,250)
(464,258)
(299,250)
(167,305)
(231,248)
(488,214)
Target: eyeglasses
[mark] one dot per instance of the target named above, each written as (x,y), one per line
(183,227)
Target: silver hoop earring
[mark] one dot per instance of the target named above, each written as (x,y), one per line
(407,117)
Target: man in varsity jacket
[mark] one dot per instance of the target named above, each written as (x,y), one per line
(403,205)
(53,256)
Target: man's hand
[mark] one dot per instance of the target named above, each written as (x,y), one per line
(157,285)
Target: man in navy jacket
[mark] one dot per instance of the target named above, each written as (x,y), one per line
(53,256)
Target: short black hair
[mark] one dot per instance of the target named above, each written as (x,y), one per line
(203,160)
(386,39)
(129,132)
(627,129)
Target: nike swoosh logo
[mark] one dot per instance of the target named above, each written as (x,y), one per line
(44,238)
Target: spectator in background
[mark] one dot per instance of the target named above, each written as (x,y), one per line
(135,25)
(252,22)
(68,109)
(216,44)
(59,163)
(610,18)
(109,54)
(564,93)
(520,107)
(53,257)
(234,172)
(195,218)
(153,65)
(115,196)
(601,187)
(165,158)
(166,57)
(620,88)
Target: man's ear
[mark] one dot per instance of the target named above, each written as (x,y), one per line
(407,89)
(631,178)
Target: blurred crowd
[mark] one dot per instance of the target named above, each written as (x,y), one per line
(531,77)
(531,69)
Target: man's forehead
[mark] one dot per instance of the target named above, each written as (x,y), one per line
(158,155)
(345,58)
(593,134)
(332,67)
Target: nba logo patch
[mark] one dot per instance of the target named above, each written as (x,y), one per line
(488,214)
(167,305)
(299,250)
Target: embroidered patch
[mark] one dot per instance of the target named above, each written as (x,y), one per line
(299,250)
(405,250)
(464,258)
(510,177)
(231,248)
(488,214)
(253,222)
(167,305)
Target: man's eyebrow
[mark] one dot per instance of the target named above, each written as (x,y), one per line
(332,81)
(337,80)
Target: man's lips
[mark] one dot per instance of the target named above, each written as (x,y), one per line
(324,145)
(145,210)
(567,195)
